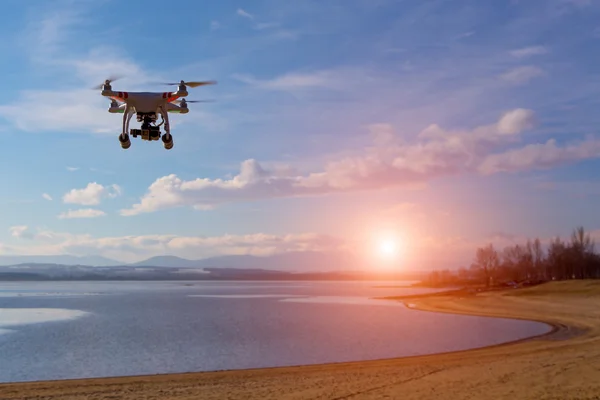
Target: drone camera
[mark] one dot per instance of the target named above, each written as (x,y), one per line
(147,133)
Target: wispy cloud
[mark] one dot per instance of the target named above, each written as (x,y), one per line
(49,34)
(291,81)
(81,213)
(521,75)
(529,51)
(47,196)
(49,42)
(20,231)
(243,13)
(465,35)
(72,169)
(541,156)
(263,25)
(134,248)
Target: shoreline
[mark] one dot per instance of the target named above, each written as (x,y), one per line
(569,330)
(554,328)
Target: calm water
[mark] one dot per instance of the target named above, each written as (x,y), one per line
(52,330)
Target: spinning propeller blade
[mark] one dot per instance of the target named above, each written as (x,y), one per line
(190,84)
(107,81)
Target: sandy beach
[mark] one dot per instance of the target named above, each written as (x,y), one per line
(564,364)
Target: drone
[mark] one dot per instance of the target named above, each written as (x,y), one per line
(147,106)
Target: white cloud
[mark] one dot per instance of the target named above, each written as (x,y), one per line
(91,194)
(47,196)
(82,213)
(290,81)
(522,74)
(516,121)
(136,248)
(20,231)
(540,156)
(49,34)
(424,251)
(529,51)
(465,35)
(214,25)
(389,163)
(48,42)
(245,14)
(89,112)
(72,169)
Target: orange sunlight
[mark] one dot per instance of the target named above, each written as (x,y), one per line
(389,248)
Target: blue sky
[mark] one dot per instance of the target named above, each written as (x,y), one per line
(445,123)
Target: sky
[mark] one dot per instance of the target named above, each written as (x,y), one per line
(335,125)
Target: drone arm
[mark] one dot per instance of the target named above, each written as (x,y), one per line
(165,116)
(126,117)
(129,115)
(174,108)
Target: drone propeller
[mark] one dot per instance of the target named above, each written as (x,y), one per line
(190,84)
(107,81)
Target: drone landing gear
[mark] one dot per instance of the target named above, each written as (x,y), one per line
(148,131)
(168,141)
(124,140)
(167,138)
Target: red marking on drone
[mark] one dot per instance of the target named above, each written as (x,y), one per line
(171,97)
(125,95)
(164,95)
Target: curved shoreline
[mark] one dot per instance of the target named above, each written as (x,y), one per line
(556,328)
(569,351)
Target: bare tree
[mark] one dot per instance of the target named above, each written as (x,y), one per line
(538,260)
(511,259)
(581,245)
(487,261)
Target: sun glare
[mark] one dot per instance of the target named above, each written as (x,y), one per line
(388,248)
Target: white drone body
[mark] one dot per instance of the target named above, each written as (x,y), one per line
(148,106)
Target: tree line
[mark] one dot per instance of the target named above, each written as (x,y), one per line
(575,258)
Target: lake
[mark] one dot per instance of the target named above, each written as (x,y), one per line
(63,330)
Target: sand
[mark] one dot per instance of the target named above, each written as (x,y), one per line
(564,364)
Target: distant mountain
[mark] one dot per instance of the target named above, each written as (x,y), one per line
(96,261)
(57,272)
(292,261)
(300,261)
(166,261)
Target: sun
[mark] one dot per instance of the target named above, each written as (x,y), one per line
(388,248)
